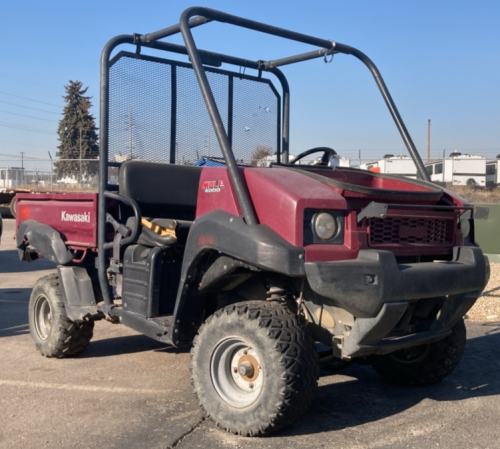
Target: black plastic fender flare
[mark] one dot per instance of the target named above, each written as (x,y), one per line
(256,245)
(35,238)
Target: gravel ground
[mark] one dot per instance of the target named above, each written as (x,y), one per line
(487,307)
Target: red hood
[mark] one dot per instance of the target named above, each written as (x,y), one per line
(280,197)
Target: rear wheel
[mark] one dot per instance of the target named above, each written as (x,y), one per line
(254,368)
(55,335)
(424,364)
(12,207)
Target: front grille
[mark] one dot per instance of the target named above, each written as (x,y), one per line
(411,231)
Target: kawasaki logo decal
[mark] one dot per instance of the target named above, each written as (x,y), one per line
(78,218)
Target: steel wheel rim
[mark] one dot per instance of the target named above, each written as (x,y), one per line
(43,317)
(236,372)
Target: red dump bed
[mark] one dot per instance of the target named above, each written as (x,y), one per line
(74,215)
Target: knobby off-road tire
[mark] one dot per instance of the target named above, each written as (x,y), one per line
(425,364)
(55,335)
(12,207)
(253,368)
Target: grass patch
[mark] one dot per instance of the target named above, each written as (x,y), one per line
(478,195)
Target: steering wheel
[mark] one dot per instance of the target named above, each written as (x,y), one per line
(327,154)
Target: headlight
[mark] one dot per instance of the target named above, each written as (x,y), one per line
(324,225)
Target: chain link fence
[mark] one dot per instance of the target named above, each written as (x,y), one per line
(82,175)
(157,113)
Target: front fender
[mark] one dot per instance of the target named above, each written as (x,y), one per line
(35,238)
(257,245)
(218,231)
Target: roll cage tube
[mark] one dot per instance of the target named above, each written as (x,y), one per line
(197,16)
(327,47)
(146,41)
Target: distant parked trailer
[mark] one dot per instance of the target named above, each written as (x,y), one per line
(11,177)
(395,165)
(459,170)
(335,161)
(493,173)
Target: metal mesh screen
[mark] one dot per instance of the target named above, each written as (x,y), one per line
(195,135)
(256,120)
(139,110)
(147,94)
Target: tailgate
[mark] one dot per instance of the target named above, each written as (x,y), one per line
(74,215)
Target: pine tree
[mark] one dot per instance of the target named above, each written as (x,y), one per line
(77,135)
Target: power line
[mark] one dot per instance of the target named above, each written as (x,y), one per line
(8,155)
(29,116)
(27,145)
(29,158)
(31,99)
(28,107)
(25,128)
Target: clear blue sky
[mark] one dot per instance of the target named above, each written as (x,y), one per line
(440,60)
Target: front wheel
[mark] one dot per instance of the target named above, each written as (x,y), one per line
(424,364)
(254,368)
(54,333)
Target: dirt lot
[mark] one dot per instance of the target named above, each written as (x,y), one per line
(487,307)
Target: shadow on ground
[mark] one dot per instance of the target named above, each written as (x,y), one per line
(362,397)
(365,397)
(368,398)
(129,344)
(14,311)
(7,266)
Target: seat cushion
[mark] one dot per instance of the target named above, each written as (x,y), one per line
(161,190)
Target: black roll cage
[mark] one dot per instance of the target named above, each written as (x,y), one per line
(194,17)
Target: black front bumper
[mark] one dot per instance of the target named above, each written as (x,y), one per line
(376,290)
(363,285)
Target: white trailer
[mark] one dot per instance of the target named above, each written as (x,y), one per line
(11,177)
(336,161)
(493,173)
(459,170)
(394,165)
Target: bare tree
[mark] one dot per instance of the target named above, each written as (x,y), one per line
(259,153)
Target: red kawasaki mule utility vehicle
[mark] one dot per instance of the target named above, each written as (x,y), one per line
(267,272)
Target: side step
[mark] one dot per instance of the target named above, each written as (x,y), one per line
(158,328)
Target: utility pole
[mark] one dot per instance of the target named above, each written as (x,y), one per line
(22,167)
(51,168)
(428,139)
